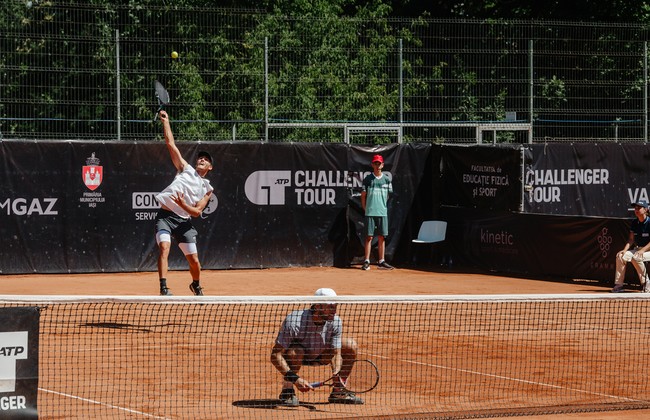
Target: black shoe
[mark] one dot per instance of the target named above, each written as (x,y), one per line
(384,265)
(197,290)
(164,291)
(289,398)
(366,265)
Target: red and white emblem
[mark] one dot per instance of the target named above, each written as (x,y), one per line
(92,174)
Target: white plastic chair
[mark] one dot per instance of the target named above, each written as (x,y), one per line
(431,231)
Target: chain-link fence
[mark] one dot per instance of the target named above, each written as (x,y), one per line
(83,71)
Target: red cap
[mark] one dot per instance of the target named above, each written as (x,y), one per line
(377,158)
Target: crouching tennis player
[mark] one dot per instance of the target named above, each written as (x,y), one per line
(313,337)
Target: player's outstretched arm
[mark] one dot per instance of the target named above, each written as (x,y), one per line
(177,158)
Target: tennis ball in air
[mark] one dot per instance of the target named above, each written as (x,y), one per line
(174,54)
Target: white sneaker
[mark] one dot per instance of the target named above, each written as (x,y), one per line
(646,287)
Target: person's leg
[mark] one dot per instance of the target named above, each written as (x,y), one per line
(349,350)
(340,395)
(381,244)
(187,243)
(367,248)
(164,244)
(381,248)
(294,356)
(163,259)
(195,271)
(195,266)
(619,274)
(641,269)
(646,278)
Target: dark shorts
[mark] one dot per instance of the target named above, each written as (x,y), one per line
(325,358)
(377,225)
(181,229)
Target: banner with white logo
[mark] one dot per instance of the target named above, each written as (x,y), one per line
(586,179)
(481,177)
(19,362)
(91,206)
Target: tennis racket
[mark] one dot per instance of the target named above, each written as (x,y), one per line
(364,377)
(162,96)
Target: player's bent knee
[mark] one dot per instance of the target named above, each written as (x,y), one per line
(294,356)
(293,350)
(349,345)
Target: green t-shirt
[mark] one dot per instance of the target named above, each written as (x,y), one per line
(377,191)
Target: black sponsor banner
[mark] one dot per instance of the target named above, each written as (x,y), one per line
(586,179)
(19,362)
(481,177)
(536,245)
(90,206)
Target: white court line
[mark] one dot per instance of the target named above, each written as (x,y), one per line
(617,397)
(128,410)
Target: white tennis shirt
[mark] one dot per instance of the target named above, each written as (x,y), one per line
(190,184)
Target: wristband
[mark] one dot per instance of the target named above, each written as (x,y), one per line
(291,376)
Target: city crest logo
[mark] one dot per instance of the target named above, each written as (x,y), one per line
(92,174)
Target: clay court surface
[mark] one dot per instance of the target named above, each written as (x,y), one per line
(303,281)
(292,281)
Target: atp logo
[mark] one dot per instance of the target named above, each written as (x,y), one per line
(267,188)
(13,347)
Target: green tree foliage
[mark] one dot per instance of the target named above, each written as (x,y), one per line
(623,11)
(329,60)
(336,68)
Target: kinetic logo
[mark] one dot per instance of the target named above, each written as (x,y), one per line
(13,347)
(267,187)
(497,238)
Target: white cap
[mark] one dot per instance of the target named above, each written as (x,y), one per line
(325,291)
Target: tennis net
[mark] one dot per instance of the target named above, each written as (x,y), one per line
(439,356)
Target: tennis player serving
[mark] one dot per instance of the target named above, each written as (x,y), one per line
(313,337)
(184,198)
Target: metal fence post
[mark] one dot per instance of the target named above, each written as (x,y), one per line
(117,84)
(645,91)
(401,83)
(266,88)
(531,90)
